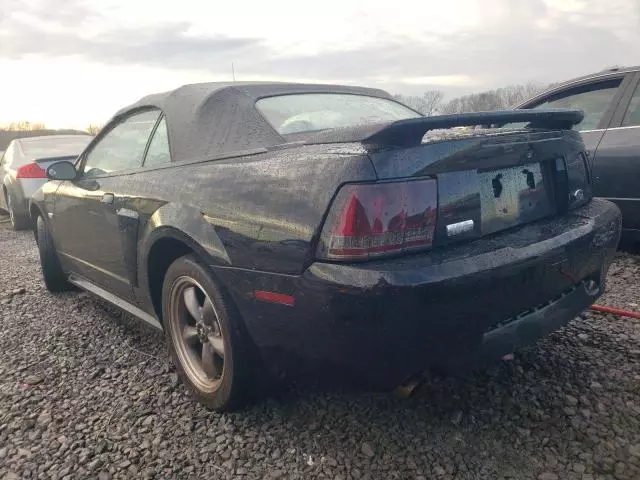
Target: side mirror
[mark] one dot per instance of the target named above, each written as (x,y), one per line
(62,171)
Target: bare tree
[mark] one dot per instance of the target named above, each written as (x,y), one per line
(428,104)
(24,126)
(499,99)
(94,128)
(513,95)
(432,101)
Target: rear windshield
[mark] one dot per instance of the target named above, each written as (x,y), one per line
(310,112)
(54,147)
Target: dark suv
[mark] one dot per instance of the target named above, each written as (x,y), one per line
(611,132)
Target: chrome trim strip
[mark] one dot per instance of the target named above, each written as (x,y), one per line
(459,228)
(126,212)
(625,128)
(612,128)
(618,199)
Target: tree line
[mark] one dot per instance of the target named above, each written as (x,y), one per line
(432,101)
(23,126)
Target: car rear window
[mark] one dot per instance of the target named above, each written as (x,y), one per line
(310,112)
(54,147)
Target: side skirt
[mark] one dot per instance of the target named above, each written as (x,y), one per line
(118,302)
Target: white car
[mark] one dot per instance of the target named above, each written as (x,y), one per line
(23,169)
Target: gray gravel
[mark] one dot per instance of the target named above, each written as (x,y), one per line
(88,393)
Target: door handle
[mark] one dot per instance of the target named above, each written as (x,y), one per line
(108,198)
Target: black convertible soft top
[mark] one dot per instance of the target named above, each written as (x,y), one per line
(209,120)
(206,120)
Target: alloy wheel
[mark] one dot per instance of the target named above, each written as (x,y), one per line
(197,334)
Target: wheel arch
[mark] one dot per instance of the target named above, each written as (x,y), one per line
(171,233)
(5,191)
(34,213)
(162,253)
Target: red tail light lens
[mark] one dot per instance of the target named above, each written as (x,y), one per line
(372,220)
(31,170)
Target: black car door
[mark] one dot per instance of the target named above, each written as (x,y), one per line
(617,165)
(94,232)
(598,97)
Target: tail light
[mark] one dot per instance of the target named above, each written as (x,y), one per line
(579,181)
(31,170)
(371,220)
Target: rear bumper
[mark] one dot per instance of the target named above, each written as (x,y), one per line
(528,327)
(458,305)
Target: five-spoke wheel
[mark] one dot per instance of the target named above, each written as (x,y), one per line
(205,336)
(197,333)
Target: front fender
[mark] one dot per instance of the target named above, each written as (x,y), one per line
(42,202)
(37,201)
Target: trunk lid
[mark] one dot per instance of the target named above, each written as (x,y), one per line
(488,180)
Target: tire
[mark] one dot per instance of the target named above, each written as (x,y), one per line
(54,278)
(18,222)
(229,384)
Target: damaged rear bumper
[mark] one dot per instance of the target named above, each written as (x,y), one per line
(465,304)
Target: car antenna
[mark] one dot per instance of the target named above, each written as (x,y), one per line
(233,72)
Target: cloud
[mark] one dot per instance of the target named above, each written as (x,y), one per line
(469,60)
(35,32)
(42,12)
(499,42)
(441,80)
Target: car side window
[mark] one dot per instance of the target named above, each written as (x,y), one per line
(158,152)
(594,99)
(632,117)
(123,146)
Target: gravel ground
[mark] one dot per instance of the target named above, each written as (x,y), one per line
(88,393)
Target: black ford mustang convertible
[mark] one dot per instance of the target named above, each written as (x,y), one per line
(265,225)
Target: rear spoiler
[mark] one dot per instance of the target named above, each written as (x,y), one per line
(406,133)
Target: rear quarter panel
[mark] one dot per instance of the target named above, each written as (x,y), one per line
(260,212)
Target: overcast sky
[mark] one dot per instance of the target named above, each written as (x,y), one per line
(74,62)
